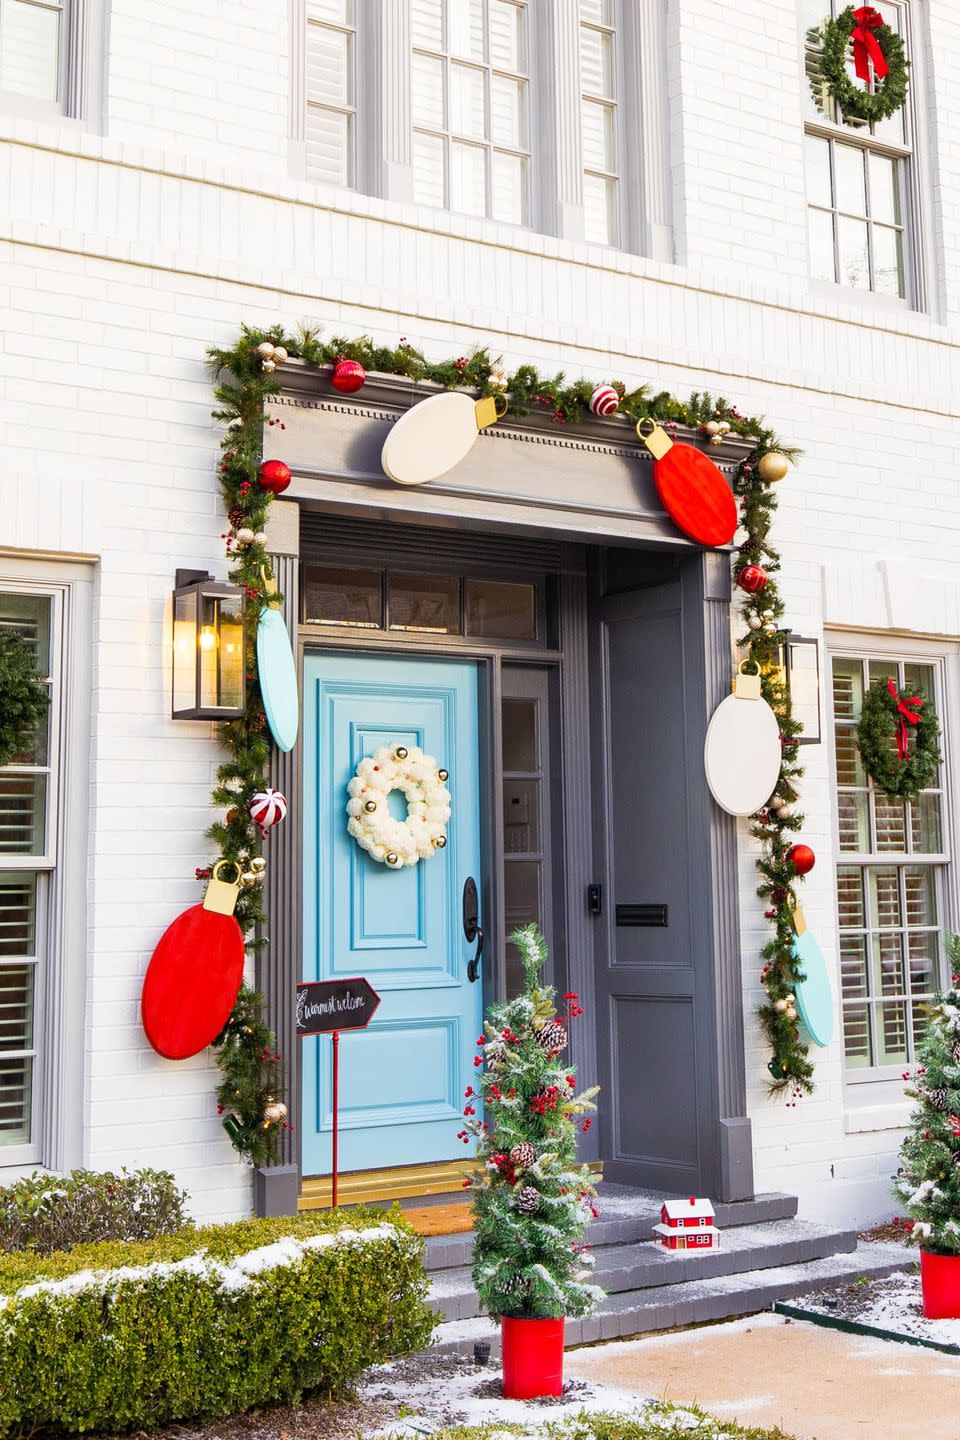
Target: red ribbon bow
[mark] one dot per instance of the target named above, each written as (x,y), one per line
(866,46)
(907,716)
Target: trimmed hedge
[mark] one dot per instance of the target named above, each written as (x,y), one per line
(206,1322)
(44,1213)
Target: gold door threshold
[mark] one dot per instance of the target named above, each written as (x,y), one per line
(402,1182)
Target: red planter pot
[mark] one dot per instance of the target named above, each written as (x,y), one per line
(532,1357)
(940,1281)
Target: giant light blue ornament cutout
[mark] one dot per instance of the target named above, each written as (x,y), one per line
(814,996)
(277,672)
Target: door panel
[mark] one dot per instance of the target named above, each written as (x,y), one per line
(401,1080)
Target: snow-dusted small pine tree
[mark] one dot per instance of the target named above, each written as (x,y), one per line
(532,1201)
(928,1181)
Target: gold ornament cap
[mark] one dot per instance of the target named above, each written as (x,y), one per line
(655,438)
(222,895)
(745,686)
(489,410)
(796,915)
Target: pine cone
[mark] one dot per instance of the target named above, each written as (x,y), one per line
(528,1200)
(523,1155)
(552,1037)
(937,1098)
(496,1053)
(955,1052)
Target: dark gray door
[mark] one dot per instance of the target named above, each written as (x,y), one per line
(653,980)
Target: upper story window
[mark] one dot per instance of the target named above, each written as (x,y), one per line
(471,100)
(891,875)
(32,49)
(330,124)
(598,120)
(858,176)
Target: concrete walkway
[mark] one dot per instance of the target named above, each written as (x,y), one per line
(816,1384)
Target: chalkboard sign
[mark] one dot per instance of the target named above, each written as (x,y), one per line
(327,1005)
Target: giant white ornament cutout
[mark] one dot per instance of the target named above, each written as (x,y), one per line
(434,436)
(394,842)
(814,995)
(742,753)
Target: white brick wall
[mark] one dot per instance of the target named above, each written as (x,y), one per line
(124,254)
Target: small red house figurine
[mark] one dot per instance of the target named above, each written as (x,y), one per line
(687,1225)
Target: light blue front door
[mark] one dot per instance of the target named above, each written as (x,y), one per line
(402,1080)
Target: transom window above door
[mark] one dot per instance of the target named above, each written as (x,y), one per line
(425,603)
(471,146)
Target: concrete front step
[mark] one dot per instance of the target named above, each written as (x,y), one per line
(691,1302)
(647,1265)
(626,1216)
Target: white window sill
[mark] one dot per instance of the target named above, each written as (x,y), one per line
(860,1116)
(10,1174)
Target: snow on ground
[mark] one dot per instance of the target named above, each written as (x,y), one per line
(894,1304)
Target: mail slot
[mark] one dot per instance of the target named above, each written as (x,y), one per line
(642,915)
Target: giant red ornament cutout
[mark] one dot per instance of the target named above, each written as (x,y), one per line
(691,487)
(195,972)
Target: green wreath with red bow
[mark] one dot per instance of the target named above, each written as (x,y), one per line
(899,740)
(878,55)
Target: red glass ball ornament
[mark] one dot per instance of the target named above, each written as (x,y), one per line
(348,375)
(274,475)
(802,858)
(752,578)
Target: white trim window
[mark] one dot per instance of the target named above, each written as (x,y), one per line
(892,865)
(28,843)
(33,48)
(599,121)
(330,91)
(471,107)
(859,177)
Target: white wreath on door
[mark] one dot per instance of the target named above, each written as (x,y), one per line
(391,841)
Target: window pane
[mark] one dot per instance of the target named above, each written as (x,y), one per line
(598,135)
(853,967)
(521,883)
(506,36)
(509,188)
(919,678)
(501,609)
(18,914)
(850,898)
(888,273)
(340,12)
(428,91)
(884,189)
(428,603)
(852,244)
(925,825)
(599,11)
(428,165)
(891,823)
(922,949)
(854,820)
(15,1082)
(600,210)
(466,102)
(329,65)
(30,50)
(465,21)
(329,145)
(847,688)
(22,810)
(468,189)
(427,24)
(508,112)
(16,1007)
(520,735)
(921,895)
(850,769)
(856,1036)
(891,1020)
(820,225)
(30,616)
(887,953)
(848,172)
(883,670)
(818,171)
(884,891)
(596,63)
(335,596)
(521,817)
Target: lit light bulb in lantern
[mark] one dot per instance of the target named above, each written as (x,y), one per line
(207,639)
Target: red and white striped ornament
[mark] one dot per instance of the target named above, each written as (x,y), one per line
(267,807)
(604,400)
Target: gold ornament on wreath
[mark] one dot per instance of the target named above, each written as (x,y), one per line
(389,840)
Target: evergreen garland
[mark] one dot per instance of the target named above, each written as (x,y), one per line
(24,697)
(532,1201)
(243,388)
(249,1094)
(928,1181)
(855,100)
(900,779)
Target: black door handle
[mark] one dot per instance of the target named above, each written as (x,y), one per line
(472,928)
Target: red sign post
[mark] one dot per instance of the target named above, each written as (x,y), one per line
(325,1007)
